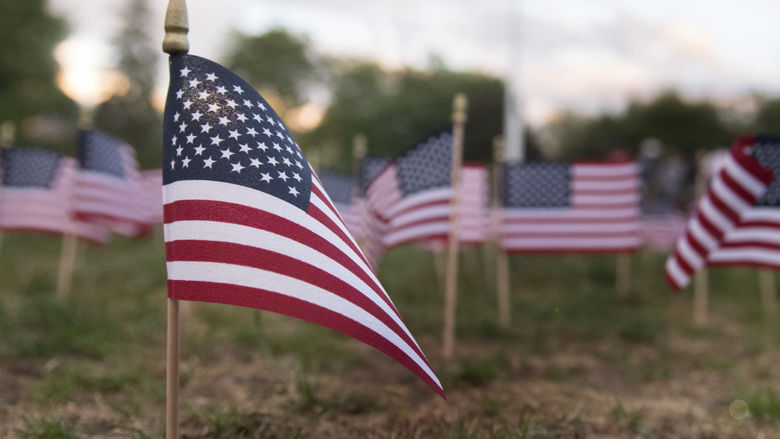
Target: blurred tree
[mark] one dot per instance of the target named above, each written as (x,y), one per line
(767,118)
(28,35)
(396,109)
(131,116)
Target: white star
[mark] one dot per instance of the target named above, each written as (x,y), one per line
(182,127)
(178,151)
(213,107)
(257,117)
(173,140)
(286,161)
(298,164)
(226,153)
(279,134)
(255,162)
(191,137)
(293,191)
(289,139)
(283,175)
(233,133)
(173,163)
(187,104)
(194,82)
(288,149)
(267,132)
(231,103)
(237,167)
(216,140)
(297,177)
(196,115)
(221,90)
(203,95)
(224,121)
(244,148)
(238,89)
(248,104)
(176,117)
(179,94)
(277,147)
(266,177)
(199,149)
(271,120)
(185,71)
(272,160)
(251,132)
(241,117)
(211,77)
(261,106)
(208,162)
(185,162)
(262,146)
(206,127)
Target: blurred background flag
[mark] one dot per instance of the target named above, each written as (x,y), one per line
(109,187)
(737,221)
(577,207)
(248,223)
(342,189)
(660,231)
(37,194)
(412,194)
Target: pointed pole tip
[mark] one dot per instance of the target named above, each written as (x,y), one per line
(176,28)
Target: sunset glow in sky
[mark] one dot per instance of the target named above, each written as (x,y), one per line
(579,54)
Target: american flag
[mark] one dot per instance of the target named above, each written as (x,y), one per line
(109,187)
(577,207)
(737,221)
(342,190)
(412,194)
(660,231)
(248,223)
(37,194)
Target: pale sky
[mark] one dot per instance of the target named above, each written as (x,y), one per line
(586,55)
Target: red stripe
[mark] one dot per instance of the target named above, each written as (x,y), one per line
(749,243)
(759,223)
(437,202)
(236,254)
(683,264)
(605,192)
(732,184)
(279,303)
(744,263)
(695,245)
(748,162)
(199,210)
(722,207)
(671,282)
(589,205)
(709,226)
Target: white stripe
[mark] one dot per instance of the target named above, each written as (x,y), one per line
(689,254)
(725,194)
(423,197)
(758,255)
(601,170)
(416,232)
(714,215)
(701,235)
(768,235)
(581,199)
(263,279)
(421,214)
(583,185)
(762,213)
(552,214)
(572,228)
(676,272)
(263,239)
(744,178)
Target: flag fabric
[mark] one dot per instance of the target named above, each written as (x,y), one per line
(248,223)
(660,231)
(109,187)
(737,222)
(412,195)
(151,192)
(571,207)
(342,190)
(37,194)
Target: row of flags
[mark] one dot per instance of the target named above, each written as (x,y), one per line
(99,193)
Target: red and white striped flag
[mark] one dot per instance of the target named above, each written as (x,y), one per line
(578,207)
(248,223)
(737,220)
(660,232)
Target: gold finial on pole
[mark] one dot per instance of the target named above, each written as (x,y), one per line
(176,28)
(7,134)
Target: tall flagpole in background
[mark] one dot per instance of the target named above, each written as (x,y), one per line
(175,42)
(513,120)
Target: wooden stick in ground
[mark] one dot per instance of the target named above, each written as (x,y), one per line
(451,282)
(501,258)
(175,41)
(766,283)
(623,274)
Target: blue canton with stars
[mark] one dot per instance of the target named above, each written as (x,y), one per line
(339,187)
(100,152)
(426,165)
(532,185)
(32,168)
(767,151)
(217,127)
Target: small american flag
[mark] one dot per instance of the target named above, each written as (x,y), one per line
(578,207)
(737,221)
(109,188)
(37,194)
(412,195)
(248,223)
(660,231)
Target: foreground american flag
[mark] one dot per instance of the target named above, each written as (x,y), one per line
(737,221)
(579,207)
(248,223)
(37,194)
(413,193)
(109,188)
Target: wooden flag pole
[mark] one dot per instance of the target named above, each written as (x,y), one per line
(623,274)
(501,258)
(359,151)
(7,136)
(459,105)
(175,42)
(766,282)
(700,279)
